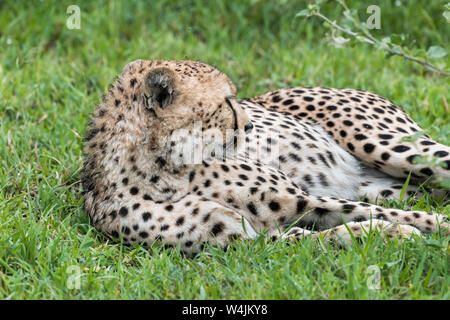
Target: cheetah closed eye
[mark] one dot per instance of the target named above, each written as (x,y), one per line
(172,155)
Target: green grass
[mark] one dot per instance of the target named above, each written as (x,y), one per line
(51,78)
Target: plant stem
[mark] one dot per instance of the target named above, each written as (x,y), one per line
(368,38)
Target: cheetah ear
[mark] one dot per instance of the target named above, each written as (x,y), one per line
(161,86)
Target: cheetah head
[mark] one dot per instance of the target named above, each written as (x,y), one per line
(153,105)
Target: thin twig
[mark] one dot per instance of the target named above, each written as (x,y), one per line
(373,41)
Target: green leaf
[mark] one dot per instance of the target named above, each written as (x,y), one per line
(445,183)
(446,15)
(396,48)
(313,7)
(243,225)
(361,38)
(303,13)
(393,263)
(433,243)
(414,137)
(405,187)
(86,245)
(436,52)
(347,24)
(340,41)
(202,293)
(351,14)
(399,39)
(386,40)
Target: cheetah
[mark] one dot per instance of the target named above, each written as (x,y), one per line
(171,155)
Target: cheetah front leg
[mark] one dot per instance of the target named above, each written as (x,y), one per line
(355,230)
(330,211)
(266,197)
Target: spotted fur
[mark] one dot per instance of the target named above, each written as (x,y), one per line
(300,155)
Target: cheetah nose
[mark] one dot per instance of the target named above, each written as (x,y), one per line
(248,127)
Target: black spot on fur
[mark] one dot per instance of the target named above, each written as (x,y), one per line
(290,190)
(123,211)
(426,171)
(386,193)
(243,177)
(146,216)
(347,208)
(368,148)
(179,221)
(301,204)
(386,136)
(217,228)
(252,208)
(323,180)
(274,206)
(147,197)
(134,191)
(350,146)
(348,123)
(400,148)
(160,161)
(321,211)
(385,156)
(154,179)
(143,234)
(246,167)
(440,154)
(360,136)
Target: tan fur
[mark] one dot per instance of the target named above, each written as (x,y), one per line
(136,187)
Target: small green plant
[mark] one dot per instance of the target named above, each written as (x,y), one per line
(351,30)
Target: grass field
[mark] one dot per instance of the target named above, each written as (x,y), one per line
(51,78)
